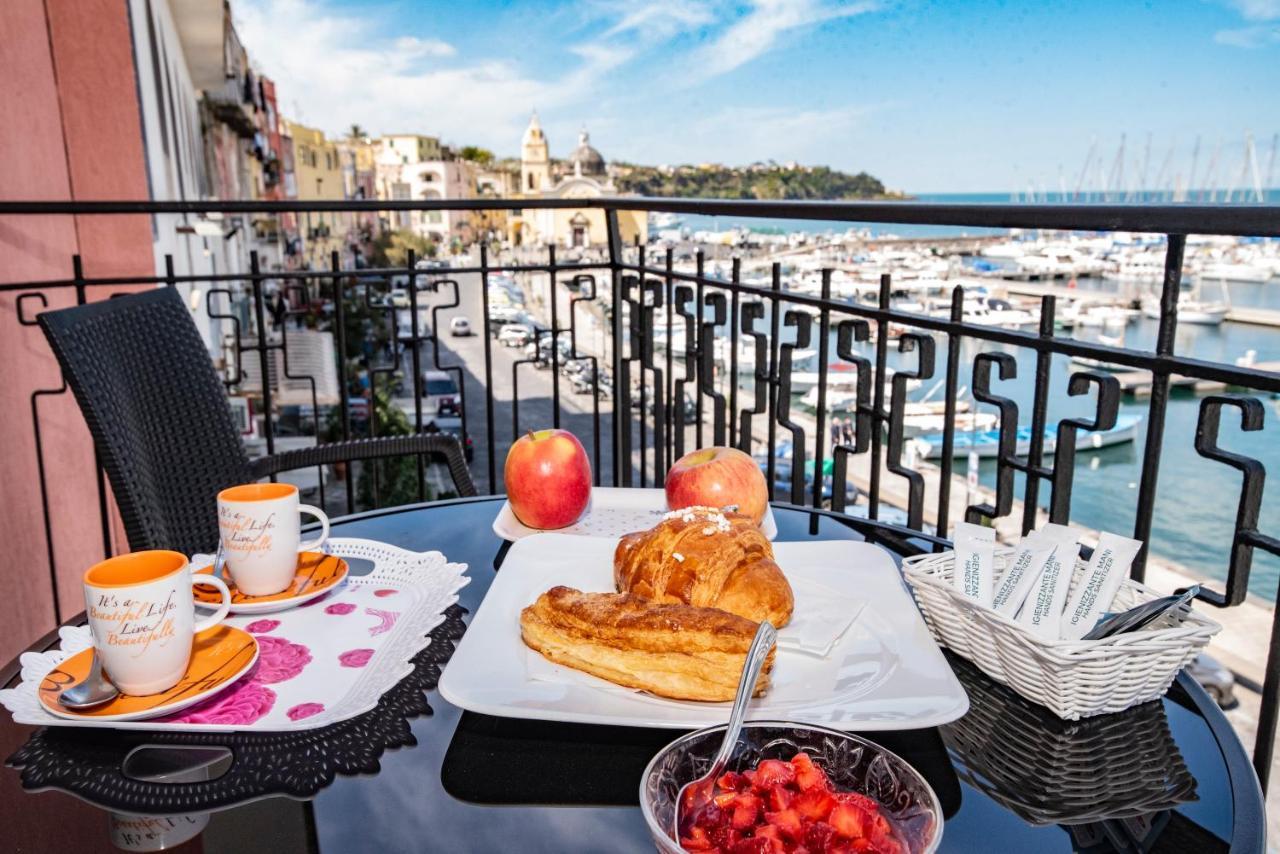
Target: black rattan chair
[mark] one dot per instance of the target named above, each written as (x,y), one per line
(162,425)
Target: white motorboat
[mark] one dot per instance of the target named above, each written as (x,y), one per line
(805,383)
(1223,271)
(1191,308)
(803,358)
(993,312)
(987,444)
(965,422)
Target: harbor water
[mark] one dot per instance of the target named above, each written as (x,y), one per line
(1197,498)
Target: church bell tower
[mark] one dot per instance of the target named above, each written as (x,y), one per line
(535,162)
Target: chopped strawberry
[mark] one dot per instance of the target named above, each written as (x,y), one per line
(774,835)
(789,808)
(697,840)
(814,804)
(723,835)
(849,821)
(752,845)
(774,772)
(818,835)
(787,821)
(859,800)
(780,798)
(746,810)
(808,775)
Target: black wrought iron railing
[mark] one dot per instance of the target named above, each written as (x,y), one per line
(608,330)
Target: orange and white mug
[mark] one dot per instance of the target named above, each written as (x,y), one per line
(142,616)
(260,533)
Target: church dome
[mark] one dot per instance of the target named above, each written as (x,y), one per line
(585,160)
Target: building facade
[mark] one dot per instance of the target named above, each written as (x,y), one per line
(317,170)
(584,175)
(414,168)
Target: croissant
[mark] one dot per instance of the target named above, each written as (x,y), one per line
(704,557)
(674,651)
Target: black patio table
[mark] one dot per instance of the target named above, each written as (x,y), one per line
(413,776)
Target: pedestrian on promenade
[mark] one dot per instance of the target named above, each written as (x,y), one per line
(847,431)
(835,432)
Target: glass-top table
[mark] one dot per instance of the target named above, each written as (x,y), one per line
(415,776)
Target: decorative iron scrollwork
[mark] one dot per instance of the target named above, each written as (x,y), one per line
(802,323)
(1064,453)
(750,313)
(1006,460)
(847,332)
(706,373)
(924,346)
(1247,537)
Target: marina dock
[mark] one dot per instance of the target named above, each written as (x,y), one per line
(1138,383)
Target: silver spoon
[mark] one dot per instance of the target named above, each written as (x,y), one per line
(697,794)
(94,690)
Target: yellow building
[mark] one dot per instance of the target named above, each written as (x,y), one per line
(583,176)
(317,169)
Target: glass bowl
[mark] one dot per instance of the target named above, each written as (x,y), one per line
(851,763)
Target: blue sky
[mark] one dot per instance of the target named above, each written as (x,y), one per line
(927,96)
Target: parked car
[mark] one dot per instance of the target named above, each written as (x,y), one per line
(459,327)
(582,385)
(515,335)
(1216,680)
(439,392)
(398,298)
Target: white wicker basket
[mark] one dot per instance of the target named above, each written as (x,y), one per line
(1073,679)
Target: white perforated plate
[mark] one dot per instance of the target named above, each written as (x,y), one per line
(883,672)
(613,511)
(320,663)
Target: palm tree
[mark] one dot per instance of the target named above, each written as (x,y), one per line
(356,132)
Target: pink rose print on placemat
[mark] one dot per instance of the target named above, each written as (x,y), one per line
(261,627)
(304,710)
(385,592)
(386,619)
(340,608)
(243,705)
(279,660)
(355,657)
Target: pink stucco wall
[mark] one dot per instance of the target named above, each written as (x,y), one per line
(71,131)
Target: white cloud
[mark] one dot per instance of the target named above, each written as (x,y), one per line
(1257,10)
(660,18)
(335,68)
(414,46)
(1249,37)
(740,135)
(759,31)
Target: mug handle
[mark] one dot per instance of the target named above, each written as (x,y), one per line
(219,615)
(318,542)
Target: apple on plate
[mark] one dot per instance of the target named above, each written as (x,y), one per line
(548,479)
(716,477)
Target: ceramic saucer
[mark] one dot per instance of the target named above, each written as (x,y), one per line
(219,656)
(317,574)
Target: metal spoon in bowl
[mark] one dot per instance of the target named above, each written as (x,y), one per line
(94,690)
(694,796)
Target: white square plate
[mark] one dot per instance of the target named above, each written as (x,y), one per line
(885,671)
(613,511)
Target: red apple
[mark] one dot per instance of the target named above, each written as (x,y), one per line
(715,477)
(548,478)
